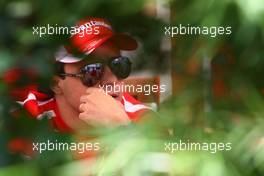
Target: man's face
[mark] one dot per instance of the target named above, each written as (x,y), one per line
(72,88)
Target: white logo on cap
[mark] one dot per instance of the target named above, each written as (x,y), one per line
(94,23)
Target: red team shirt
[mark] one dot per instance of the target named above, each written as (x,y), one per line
(41,105)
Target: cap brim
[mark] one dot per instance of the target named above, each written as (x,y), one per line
(122,41)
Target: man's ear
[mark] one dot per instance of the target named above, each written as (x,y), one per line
(56,85)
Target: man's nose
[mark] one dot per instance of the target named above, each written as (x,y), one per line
(109,78)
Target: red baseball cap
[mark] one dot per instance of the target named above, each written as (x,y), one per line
(90,34)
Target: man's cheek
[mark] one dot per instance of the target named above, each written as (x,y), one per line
(73,101)
(76,90)
(73,98)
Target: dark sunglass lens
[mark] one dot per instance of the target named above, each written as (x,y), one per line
(121,67)
(92,74)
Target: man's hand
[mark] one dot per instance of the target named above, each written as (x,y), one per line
(99,109)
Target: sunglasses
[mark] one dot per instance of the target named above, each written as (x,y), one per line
(91,74)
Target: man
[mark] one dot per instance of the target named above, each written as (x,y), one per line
(91,60)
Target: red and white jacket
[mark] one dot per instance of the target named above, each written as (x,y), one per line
(41,105)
